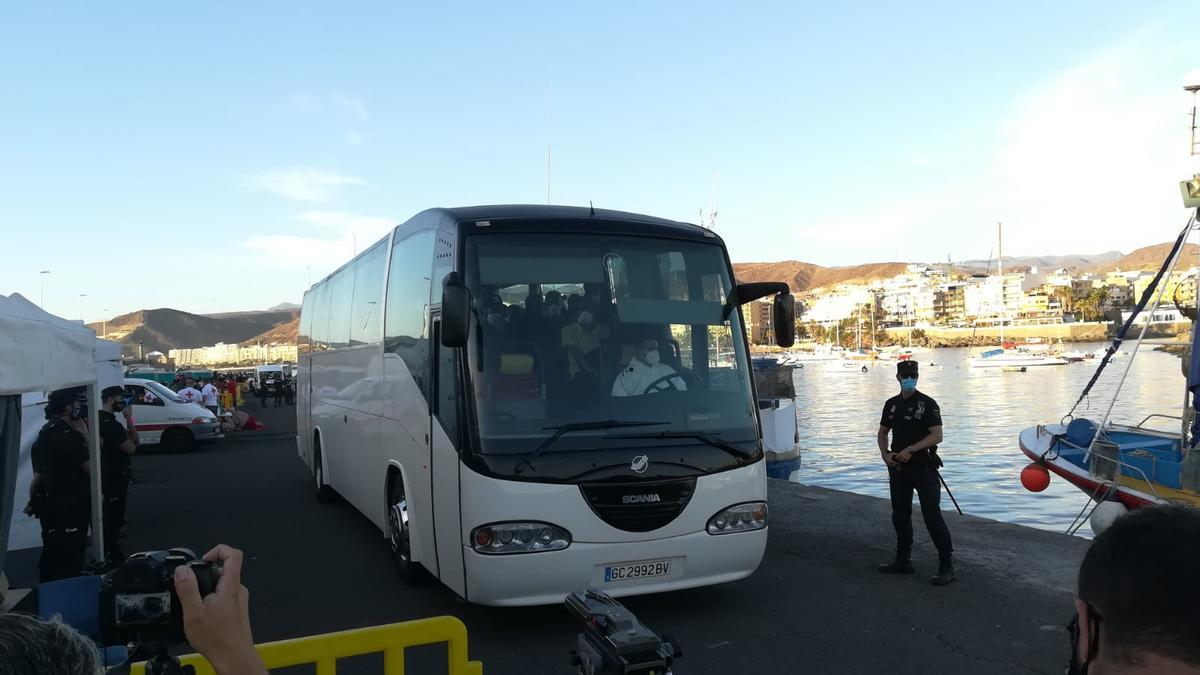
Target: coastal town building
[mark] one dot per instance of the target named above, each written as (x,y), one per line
(230,354)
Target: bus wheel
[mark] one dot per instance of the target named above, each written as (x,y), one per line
(177,439)
(325,493)
(410,572)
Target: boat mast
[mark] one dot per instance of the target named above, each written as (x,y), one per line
(1000,271)
(858,330)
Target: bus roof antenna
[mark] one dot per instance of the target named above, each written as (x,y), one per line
(592,208)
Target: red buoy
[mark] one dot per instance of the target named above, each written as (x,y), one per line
(1035,477)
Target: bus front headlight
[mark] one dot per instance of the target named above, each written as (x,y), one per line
(526,537)
(739,518)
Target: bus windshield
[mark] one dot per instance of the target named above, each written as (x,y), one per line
(609,344)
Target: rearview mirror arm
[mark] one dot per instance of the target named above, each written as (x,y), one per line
(749,292)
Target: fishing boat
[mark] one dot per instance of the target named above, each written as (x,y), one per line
(777,413)
(1125,466)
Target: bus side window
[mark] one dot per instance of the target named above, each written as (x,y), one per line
(446,404)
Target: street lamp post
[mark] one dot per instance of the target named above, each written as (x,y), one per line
(81,297)
(42,288)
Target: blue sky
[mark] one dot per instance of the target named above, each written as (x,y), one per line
(214,157)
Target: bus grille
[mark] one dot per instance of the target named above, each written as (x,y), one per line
(639,506)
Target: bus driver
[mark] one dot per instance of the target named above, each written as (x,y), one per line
(647,374)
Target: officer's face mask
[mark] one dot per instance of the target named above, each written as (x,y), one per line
(78,411)
(653,357)
(908,384)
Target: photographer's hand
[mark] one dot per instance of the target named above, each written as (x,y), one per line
(218,625)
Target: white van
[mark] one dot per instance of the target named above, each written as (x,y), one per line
(161,416)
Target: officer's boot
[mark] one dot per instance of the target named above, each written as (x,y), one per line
(901,565)
(945,573)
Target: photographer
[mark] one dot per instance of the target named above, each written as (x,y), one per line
(217,626)
(117,444)
(59,493)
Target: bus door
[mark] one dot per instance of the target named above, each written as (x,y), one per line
(445,438)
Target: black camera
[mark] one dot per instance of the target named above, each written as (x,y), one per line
(615,642)
(138,603)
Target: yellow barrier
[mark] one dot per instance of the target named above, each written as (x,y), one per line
(391,639)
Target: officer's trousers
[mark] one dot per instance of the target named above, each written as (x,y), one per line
(64,540)
(115,497)
(923,479)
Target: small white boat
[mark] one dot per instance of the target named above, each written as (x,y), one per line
(847,366)
(1008,358)
(1076,356)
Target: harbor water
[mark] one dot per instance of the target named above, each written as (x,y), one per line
(983,411)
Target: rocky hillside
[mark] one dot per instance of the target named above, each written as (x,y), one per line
(284,333)
(164,329)
(802,276)
(1150,258)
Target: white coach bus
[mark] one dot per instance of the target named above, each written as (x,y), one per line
(532,400)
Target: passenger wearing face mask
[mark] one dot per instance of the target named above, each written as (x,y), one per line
(647,374)
(582,341)
(59,495)
(915,424)
(117,444)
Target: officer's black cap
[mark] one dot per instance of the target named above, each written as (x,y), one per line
(112,391)
(61,398)
(906,368)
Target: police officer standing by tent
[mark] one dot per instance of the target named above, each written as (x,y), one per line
(915,424)
(60,494)
(117,445)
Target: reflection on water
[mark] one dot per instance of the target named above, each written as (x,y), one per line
(983,412)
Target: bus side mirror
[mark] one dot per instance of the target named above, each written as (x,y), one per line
(784,319)
(456,311)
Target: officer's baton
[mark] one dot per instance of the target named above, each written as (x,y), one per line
(948,492)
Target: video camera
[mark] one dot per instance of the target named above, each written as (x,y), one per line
(615,642)
(139,605)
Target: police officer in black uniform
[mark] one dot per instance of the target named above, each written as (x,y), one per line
(60,494)
(915,424)
(117,444)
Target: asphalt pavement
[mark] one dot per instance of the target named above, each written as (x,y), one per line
(816,605)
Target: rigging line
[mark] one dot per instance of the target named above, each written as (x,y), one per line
(1171,261)
(1142,336)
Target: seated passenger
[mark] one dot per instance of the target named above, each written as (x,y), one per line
(645,369)
(582,340)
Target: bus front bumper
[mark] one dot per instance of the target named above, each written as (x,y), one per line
(696,559)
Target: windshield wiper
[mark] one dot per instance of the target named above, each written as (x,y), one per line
(705,437)
(565,429)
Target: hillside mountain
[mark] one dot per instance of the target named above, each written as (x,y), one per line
(284,333)
(283,306)
(1150,258)
(164,329)
(802,276)
(1048,262)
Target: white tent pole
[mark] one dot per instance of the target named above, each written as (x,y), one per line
(93,396)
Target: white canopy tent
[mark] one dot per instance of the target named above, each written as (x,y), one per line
(40,352)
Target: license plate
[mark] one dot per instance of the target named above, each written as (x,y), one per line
(637,570)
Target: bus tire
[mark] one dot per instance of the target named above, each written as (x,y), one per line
(324,491)
(399,538)
(178,439)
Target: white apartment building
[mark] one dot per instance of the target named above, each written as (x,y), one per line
(222,353)
(841,303)
(993,296)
